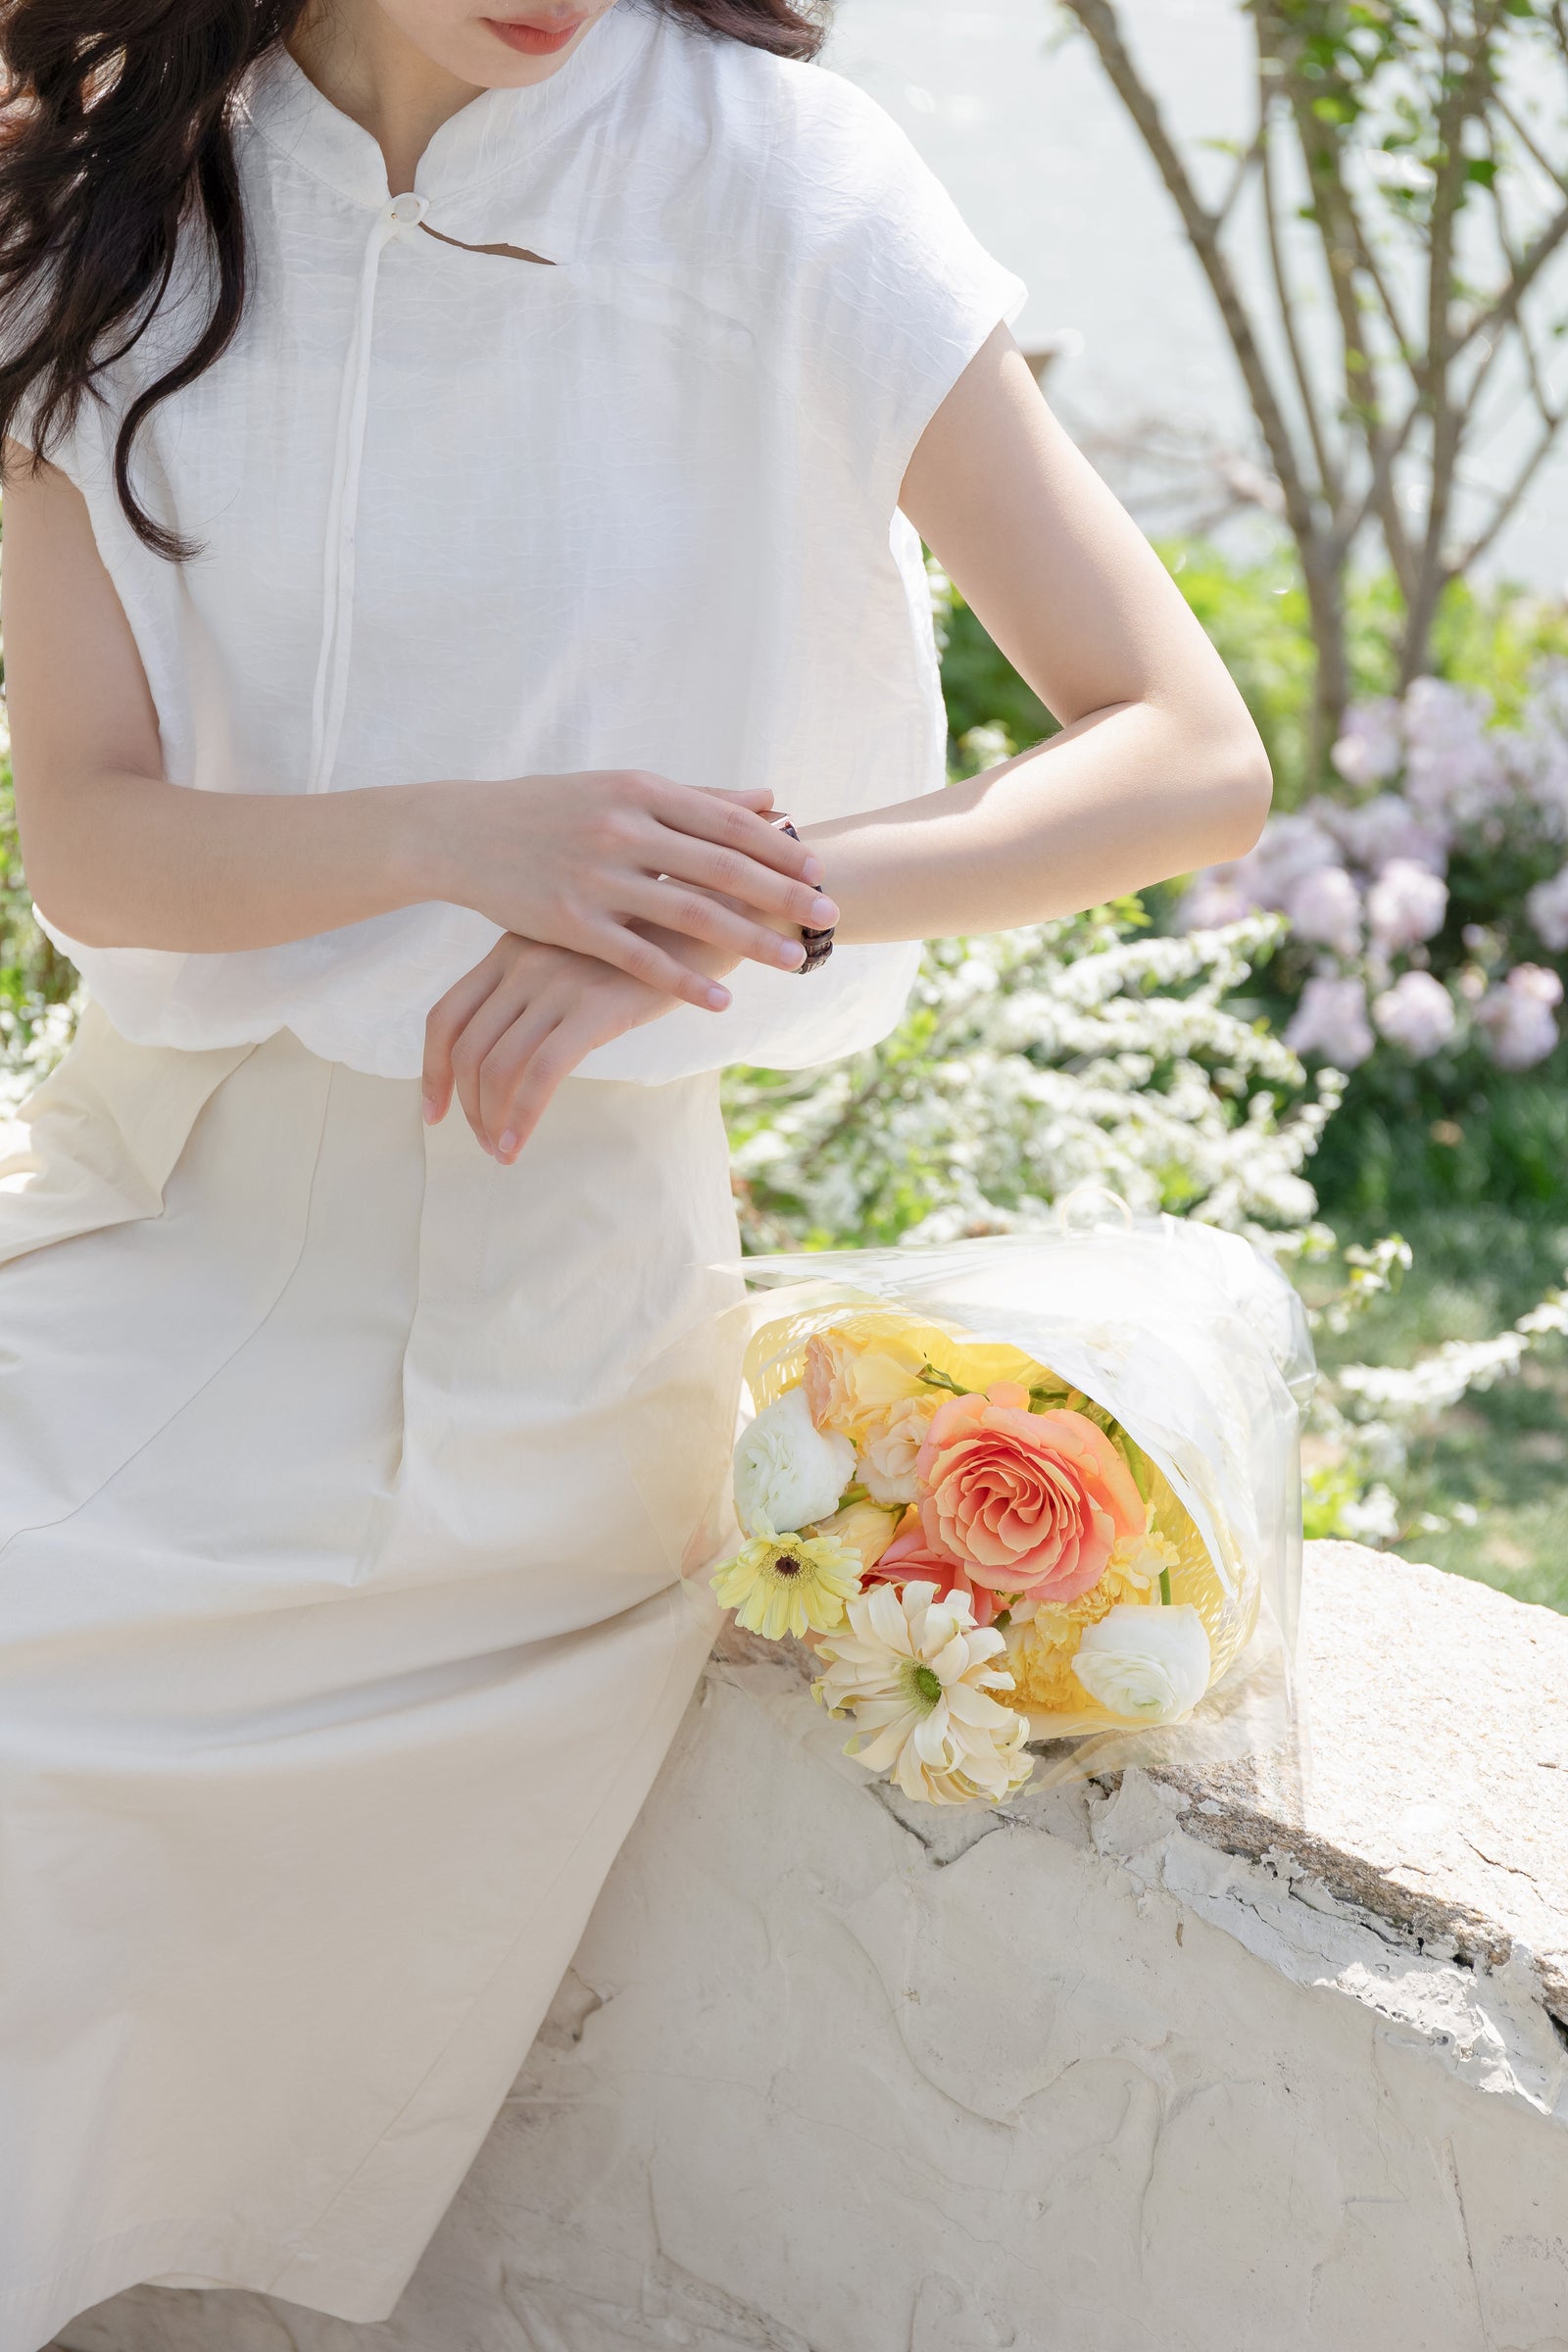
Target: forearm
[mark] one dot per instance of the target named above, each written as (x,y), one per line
(123,859)
(1124,798)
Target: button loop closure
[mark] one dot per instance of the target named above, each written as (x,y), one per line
(400,215)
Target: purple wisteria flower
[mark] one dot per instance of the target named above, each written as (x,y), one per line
(1547,908)
(1371,749)
(1331,1020)
(1406,905)
(1325,910)
(1517,1019)
(1416,1013)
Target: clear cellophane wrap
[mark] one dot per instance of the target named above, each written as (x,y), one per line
(1193,1341)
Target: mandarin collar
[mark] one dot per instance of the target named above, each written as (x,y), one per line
(477,143)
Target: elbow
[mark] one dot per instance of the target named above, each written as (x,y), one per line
(1238,791)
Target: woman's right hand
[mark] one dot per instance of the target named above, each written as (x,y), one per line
(592,861)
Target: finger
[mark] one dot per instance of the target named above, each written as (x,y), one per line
(487,1025)
(673,907)
(750,796)
(526,1078)
(444,1023)
(716,816)
(505,1070)
(734,876)
(640,959)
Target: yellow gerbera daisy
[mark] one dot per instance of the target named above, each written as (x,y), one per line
(789,1584)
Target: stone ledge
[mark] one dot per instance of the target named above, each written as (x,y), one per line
(1430,1788)
(1182,2060)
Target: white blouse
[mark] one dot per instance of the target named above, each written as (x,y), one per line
(463,515)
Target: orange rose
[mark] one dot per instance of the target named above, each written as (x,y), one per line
(1030,1502)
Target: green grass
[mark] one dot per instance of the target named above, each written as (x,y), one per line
(1493,1470)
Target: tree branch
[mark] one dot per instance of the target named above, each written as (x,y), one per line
(1509,503)
(1329,470)
(1098,20)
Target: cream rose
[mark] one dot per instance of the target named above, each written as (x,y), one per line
(1146,1665)
(850,1385)
(890,1447)
(788,1472)
(863,1528)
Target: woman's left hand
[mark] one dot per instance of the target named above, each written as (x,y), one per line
(511,1030)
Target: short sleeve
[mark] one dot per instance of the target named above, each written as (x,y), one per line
(895,294)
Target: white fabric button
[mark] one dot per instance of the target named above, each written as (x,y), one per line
(408,210)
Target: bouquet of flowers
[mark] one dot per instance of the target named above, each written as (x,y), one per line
(1013,1519)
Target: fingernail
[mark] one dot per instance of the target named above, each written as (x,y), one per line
(509,1145)
(812,872)
(792,953)
(823,915)
(430,1108)
(719,997)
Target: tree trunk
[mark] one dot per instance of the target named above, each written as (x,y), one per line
(1323,569)
(1416,651)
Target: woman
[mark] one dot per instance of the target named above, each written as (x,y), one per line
(463,477)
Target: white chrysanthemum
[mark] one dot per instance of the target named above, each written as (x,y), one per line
(916,1675)
(1146,1665)
(788,1472)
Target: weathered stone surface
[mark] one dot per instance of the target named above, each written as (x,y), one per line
(1149,2065)
(1429,1786)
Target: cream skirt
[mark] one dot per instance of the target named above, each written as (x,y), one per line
(340,1637)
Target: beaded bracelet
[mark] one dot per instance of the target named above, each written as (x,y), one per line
(819,945)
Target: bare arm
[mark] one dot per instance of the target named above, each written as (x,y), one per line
(1158,769)
(118,856)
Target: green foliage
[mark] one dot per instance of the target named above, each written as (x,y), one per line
(982,687)
(1483,1492)
(1254,609)
(33,977)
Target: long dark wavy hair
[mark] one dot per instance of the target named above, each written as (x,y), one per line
(115,136)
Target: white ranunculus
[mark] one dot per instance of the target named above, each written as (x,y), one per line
(788,1472)
(1145,1664)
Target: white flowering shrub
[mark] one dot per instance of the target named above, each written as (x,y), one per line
(1029,1065)
(1426,906)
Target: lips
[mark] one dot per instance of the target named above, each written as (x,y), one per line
(536,40)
